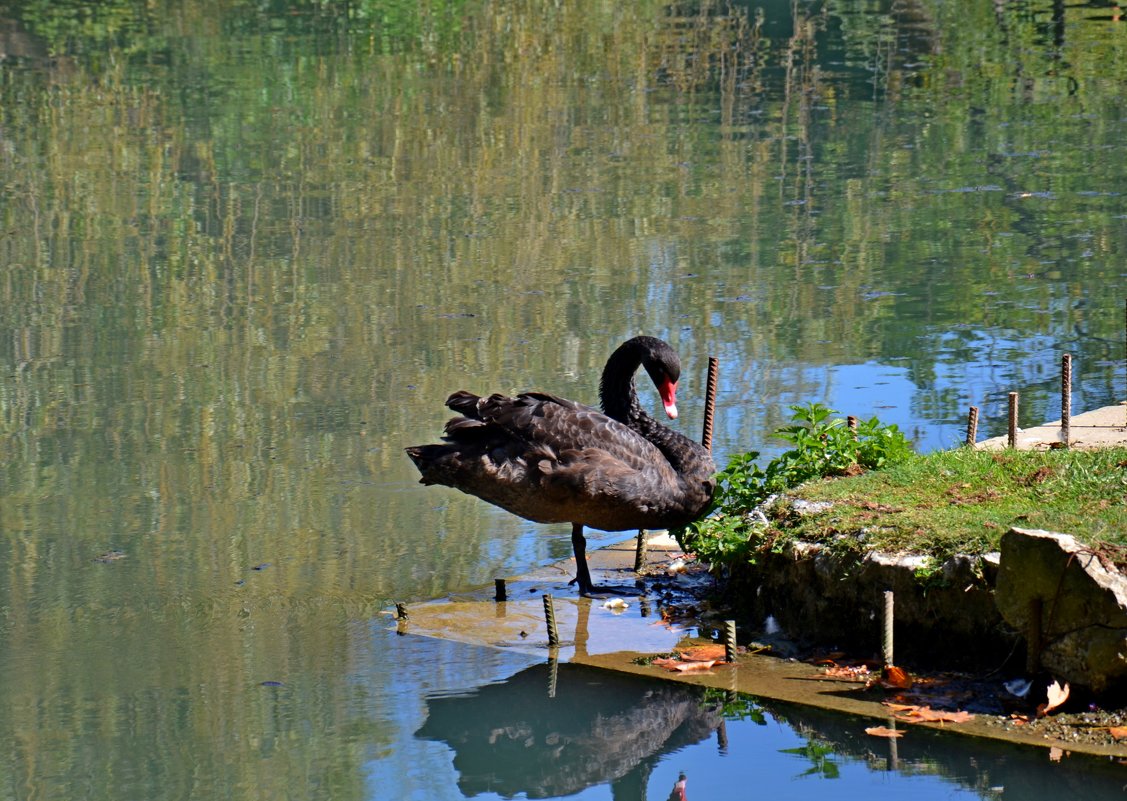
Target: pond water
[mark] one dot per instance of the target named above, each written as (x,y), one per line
(246,250)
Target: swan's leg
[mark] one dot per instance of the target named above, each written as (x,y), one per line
(582,571)
(587,587)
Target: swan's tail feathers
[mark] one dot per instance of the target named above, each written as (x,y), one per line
(426,458)
(465,430)
(464,402)
(423,455)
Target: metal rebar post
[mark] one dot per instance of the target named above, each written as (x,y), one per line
(1013,420)
(710,400)
(500,594)
(889,620)
(972,426)
(550,619)
(1066,399)
(640,552)
(729,641)
(553,675)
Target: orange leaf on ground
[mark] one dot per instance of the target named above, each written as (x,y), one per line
(851,673)
(1118,732)
(692,667)
(928,715)
(1057,695)
(702,653)
(683,667)
(900,707)
(896,678)
(883,731)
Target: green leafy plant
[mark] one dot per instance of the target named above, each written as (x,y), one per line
(822,446)
(734,705)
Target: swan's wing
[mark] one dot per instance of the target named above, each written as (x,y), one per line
(553,425)
(550,459)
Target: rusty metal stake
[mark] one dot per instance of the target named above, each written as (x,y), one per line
(1066,399)
(710,400)
(889,620)
(550,619)
(553,675)
(640,552)
(729,641)
(972,426)
(851,421)
(500,594)
(1013,420)
(401,611)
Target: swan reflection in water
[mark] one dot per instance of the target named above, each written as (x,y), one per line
(554,730)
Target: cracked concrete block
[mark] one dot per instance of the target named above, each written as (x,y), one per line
(1083,605)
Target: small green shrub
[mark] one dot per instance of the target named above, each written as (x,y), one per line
(822,447)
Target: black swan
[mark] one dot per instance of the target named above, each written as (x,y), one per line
(552,460)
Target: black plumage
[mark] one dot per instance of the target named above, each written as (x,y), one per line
(552,460)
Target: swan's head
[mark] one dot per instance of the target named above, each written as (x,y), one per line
(616,388)
(664,368)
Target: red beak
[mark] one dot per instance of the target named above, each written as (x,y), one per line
(668,391)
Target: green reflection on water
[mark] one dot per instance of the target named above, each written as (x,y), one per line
(245,252)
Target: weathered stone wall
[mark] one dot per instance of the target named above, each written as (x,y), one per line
(976,612)
(948,619)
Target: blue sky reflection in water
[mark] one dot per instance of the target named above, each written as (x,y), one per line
(247,249)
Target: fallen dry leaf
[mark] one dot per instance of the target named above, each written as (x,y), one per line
(1118,732)
(873,506)
(900,707)
(683,667)
(847,672)
(896,678)
(928,715)
(1039,475)
(883,731)
(958,716)
(702,653)
(1057,695)
(692,667)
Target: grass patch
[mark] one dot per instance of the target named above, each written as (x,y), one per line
(963,500)
(886,498)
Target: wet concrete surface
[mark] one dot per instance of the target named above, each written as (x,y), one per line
(670,613)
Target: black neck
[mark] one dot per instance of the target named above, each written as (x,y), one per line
(619,399)
(617,393)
